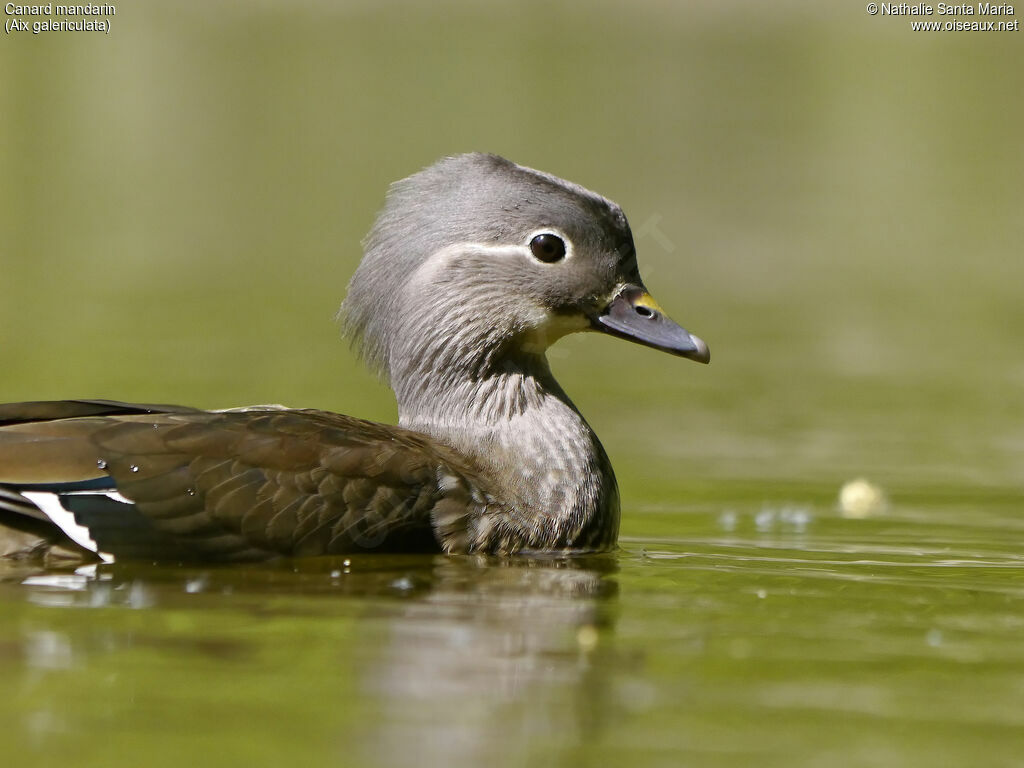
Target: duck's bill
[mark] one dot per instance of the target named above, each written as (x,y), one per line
(636,316)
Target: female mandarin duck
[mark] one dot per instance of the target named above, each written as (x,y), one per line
(474,267)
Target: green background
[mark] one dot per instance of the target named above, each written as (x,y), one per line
(834,202)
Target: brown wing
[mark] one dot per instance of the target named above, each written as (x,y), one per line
(247,484)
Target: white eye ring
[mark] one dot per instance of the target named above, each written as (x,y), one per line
(549,246)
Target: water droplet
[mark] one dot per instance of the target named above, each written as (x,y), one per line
(140,596)
(134,467)
(101,463)
(728,520)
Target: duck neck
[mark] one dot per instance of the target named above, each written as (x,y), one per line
(520,428)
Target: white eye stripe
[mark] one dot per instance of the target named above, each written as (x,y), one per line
(451,253)
(441,259)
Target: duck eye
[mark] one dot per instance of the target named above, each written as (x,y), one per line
(548,248)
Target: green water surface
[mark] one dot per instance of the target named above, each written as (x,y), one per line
(770,635)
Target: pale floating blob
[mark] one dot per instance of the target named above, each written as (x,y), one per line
(140,596)
(403,584)
(587,637)
(728,520)
(861,498)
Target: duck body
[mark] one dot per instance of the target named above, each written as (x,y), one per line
(474,267)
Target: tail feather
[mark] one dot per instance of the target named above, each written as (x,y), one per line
(26,531)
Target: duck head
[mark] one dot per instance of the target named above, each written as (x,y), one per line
(476,264)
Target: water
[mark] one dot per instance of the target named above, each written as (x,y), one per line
(889,640)
(831,201)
